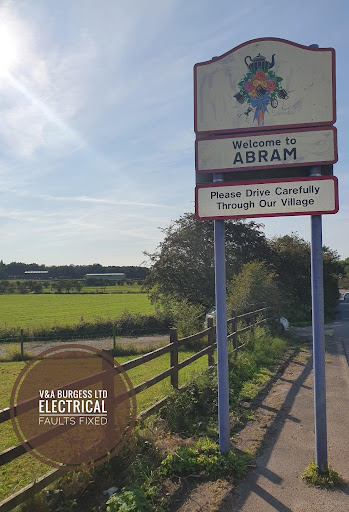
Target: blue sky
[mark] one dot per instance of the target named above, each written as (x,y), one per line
(96,131)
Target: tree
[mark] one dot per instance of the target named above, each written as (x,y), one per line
(22,287)
(37,287)
(4,286)
(77,286)
(255,284)
(183,265)
(3,273)
(58,286)
(291,259)
(344,274)
(68,285)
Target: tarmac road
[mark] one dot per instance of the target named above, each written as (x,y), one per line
(275,484)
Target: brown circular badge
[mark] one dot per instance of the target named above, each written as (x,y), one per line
(73,407)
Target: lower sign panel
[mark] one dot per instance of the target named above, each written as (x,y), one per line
(268,198)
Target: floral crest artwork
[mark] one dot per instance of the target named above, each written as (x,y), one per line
(260,87)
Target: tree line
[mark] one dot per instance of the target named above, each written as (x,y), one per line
(26,286)
(18,269)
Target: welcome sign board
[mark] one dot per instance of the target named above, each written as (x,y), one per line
(265,83)
(266,150)
(267,198)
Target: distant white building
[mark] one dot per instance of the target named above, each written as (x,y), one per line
(36,274)
(111,277)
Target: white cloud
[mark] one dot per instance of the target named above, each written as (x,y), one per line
(85,199)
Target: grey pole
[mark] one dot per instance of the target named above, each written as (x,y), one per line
(317,289)
(318,321)
(221,328)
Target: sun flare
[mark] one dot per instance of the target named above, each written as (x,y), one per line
(8,50)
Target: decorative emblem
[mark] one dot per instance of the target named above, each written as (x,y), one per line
(260,87)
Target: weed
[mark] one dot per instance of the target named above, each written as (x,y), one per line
(203,459)
(249,415)
(129,500)
(329,479)
(250,389)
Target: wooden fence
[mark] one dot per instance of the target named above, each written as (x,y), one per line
(253,318)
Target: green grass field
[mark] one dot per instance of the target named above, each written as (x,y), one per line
(21,471)
(23,311)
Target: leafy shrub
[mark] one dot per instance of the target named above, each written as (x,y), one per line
(193,405)
(205,459)
(129,500)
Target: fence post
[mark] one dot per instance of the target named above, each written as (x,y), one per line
(114,337)
(22,344)
(174,357)
(233,330)
(210,339)
(108,385)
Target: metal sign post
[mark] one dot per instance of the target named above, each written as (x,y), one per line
(317,293)
(317,298)
(221,329)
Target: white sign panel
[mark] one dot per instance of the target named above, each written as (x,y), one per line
(268,198)
(265,82)
(263,151)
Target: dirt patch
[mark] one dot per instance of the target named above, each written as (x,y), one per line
(205,497)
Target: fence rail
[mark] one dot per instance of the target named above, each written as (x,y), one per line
(171,348)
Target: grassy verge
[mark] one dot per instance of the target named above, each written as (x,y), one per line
(180,443)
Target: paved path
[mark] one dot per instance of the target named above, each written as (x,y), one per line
(275,483)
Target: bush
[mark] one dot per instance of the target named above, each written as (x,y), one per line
(126,325)
(188,318)
(193,405)
(255,284)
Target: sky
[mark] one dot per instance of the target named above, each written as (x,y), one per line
(96,118)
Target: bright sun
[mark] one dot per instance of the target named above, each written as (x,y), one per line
(8,50)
